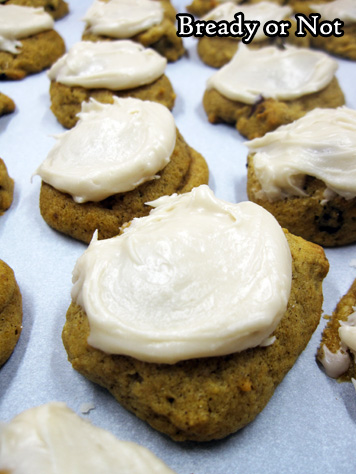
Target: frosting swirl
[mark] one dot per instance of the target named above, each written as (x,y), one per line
(321,144)
(273,73)
(115,65)
(112,149)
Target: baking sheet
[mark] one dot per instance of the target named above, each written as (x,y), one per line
(309,424)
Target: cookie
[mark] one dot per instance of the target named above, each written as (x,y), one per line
(335,352)
(303,174)
(216,51)
(6,188)
(155,29)
(39,436)
(7,105)
(344,45)
(33,44)
(10,312)
(201,7)
(257,103)
(56,8)
(207,397)
(130,71)
(179,170)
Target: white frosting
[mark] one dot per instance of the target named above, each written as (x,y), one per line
(321,144)
(198,277)
(344,10)
(115,65)
(335,363)
(112,149)
(347,332)
(262,12)
(18,22)
(273,73)
(123,18)
(52,439)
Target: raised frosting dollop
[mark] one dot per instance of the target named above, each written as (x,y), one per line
(17,22)
(197,277)
(344,10)
(335,363)
(113,148)
(115,65)
(321,144)
(274,73)
(262,12)
(123,18)
(52,439)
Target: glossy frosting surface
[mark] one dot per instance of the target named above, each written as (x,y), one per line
(321,144)
(198,277)
(17,22)
(344,10)
(52,439)
(112,149)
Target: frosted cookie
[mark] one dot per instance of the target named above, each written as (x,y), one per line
(261,89)
(216,51)
(192,344)
(118,157)
(10,313)
(53,439)
(304,173)
(7,105)
(56,8)
(28,42)
(103,70)
(338,344)
(6,188)
(344,10)
(201,7)
(146,21)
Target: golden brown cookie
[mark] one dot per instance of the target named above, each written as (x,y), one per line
(56,8)
(66,101)
(38,52)
(6,188)
(162,38)
(10,312)
(343,46)
(208,398)
(186,170)
(7,105)
(266,115)
(329,223)
(331,339)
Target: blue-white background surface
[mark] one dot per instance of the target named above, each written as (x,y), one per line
(309,426)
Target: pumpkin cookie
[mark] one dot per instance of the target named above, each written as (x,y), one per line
(146,21)
(53,436)
(10,312)
(56,8)
(261,89)
(182,351)
(142,153)
(30,45)
(216,51)
(304,174)
(6,188)
(7,105)
(123,68)
(344,10)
